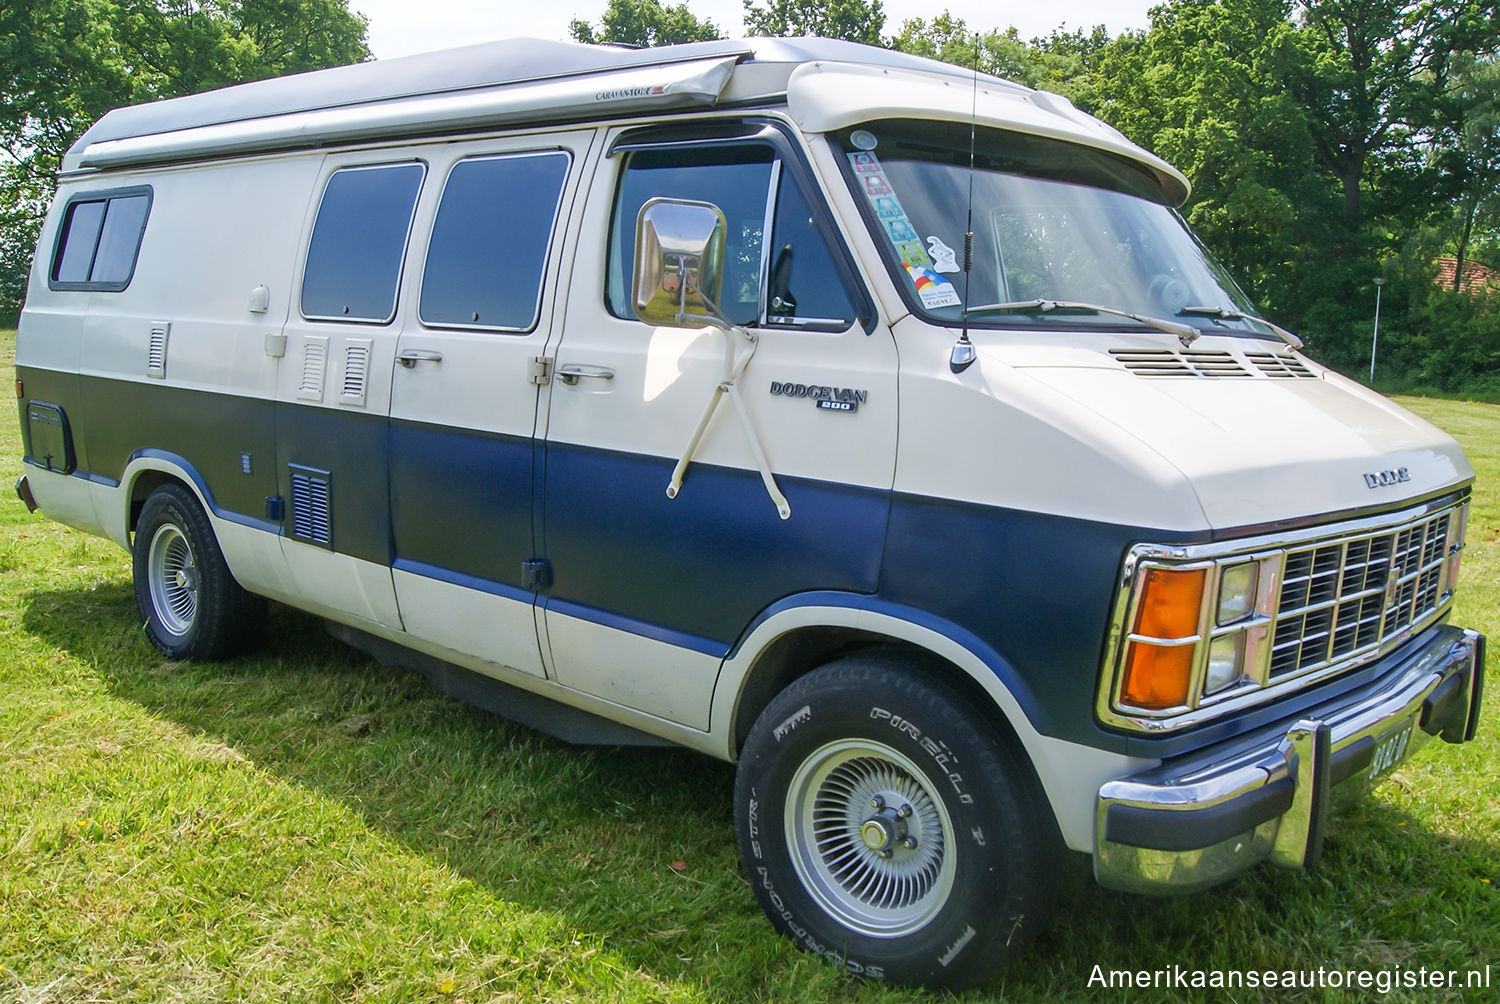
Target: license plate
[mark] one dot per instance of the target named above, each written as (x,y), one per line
(1390,749)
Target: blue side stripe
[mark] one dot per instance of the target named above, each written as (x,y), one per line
(427,571)
(643,629)
(208,496)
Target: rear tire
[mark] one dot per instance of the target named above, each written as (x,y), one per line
(191,606)
(886,827)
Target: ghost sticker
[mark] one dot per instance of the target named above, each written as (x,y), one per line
(944,258)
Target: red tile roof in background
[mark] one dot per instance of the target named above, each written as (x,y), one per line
(1477,278)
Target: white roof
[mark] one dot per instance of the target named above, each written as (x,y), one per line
(827,84)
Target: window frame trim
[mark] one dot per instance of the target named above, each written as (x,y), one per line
(552,234)
(411,222)
(788,157)
(106,196)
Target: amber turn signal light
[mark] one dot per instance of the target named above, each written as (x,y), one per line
(1157,677)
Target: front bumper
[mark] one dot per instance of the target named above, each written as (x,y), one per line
(1197,820)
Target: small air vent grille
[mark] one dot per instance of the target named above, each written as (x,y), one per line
(356,371)
(1280,367)
(156,350)
(312,515)
(1217,364)
(314,364)
(1165,362)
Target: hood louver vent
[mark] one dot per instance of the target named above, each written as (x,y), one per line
(1216,364)
(312,514)
(1281,367)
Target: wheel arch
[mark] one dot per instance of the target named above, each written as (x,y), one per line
(792,641)
(147,471)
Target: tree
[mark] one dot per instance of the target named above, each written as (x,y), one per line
(644,23)
(1474,158)
(67,62)
(854,20)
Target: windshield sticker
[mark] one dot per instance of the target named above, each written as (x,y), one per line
(932,289)
(944,258)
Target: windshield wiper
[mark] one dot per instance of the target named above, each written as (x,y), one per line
(1225,314)
(1186,332)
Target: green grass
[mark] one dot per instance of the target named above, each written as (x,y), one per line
(239,831)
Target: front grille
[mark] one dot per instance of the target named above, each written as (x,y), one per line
(1344,597)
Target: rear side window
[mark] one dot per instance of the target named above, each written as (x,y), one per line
(359,243)
(100,239)
(489,246)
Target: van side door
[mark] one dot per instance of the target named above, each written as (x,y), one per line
(333,392)
(648,593)
(464,394)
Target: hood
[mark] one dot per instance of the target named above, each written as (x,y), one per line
(1262,434)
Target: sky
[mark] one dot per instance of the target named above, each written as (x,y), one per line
(402,27)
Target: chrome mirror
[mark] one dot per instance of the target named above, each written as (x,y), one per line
(679,262)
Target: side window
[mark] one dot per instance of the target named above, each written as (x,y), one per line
(489,242)
(100,239)
(359,242)
(804,283)
(737,180)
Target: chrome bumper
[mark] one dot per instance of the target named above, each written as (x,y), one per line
(1198,820)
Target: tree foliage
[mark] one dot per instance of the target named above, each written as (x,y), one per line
(853,20)
(643,23)
(67,62)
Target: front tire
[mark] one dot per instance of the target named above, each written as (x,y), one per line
(190,604)
(885,826)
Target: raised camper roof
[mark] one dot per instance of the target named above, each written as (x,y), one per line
(825,83)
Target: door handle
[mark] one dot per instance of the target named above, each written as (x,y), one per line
(572,373)
(410,357)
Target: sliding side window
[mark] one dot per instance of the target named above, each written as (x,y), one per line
(100,239)
(359,243)
(490,240)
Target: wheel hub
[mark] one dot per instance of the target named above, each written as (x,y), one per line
(886,830)
(869,838)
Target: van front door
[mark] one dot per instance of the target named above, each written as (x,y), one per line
(649,593)
(464,397)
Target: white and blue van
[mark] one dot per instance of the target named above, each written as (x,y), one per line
(873,424)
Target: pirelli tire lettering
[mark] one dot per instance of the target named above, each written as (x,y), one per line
(885,828)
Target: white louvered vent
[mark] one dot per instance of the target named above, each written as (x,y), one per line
(1191,363)
(314,364)
(156,350)
(1280,367)
(356,371)
(312,516)
(1213,363)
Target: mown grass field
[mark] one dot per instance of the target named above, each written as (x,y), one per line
(306,825)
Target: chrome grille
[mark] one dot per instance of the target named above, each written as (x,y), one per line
(1344,597)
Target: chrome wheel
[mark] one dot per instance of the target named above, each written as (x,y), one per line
(868,838)
(173,579)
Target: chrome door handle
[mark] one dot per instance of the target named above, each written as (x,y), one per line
(410,357)
(572,373)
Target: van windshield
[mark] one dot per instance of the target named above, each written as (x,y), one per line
(1052,221)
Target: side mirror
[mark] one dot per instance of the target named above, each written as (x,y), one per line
(679,262)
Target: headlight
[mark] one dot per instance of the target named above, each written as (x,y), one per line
(1237,585)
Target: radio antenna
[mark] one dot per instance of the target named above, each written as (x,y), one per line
(963,354)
